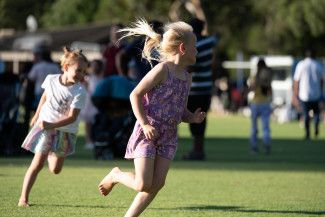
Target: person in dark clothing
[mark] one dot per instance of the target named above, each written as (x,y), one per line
(132,55)
(9,84)
(201,89)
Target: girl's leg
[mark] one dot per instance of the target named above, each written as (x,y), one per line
(140,180)
(144,198)
(265,117)
(55,163)
(30,177)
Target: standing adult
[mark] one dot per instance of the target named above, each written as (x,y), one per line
(43,66)
(201,88)
(131,56)
(95,75)
(307,89)
(260,106)
(111,50)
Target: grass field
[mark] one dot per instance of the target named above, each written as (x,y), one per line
(232,182)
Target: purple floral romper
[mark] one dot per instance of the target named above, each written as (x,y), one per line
(164,105)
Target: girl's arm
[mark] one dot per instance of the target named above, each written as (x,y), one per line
(40,104)
(72,117)
(154,77)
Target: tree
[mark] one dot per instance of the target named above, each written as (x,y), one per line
(251,26)
(231,21)
(72,12)
(13,14)
(267,27)
(292,26)
(125,11)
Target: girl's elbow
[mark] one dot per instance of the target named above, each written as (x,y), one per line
(134,95)
(72,119)
(131,95)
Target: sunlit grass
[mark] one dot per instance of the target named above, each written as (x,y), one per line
(232,182)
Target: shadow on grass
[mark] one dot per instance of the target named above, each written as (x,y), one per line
(244,210)
(237,150)
(75,206)
(228,153)
(198,208)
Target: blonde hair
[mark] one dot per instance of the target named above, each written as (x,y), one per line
(72,56)
(166,44)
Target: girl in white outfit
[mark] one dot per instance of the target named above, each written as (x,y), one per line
(55,123)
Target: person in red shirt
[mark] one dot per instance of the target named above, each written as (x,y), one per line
(111,50)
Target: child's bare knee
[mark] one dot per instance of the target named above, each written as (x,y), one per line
(142,186)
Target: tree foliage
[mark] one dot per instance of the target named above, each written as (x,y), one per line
(251,26)
(125,11)
(268,26)
(13,14)
(231,21)
(292,26)
(72,12)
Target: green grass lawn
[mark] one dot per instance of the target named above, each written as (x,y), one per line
(232,182)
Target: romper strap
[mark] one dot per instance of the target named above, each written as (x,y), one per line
(187,74)
(168,71)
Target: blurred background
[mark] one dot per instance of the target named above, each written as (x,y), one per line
(234,179)
(279,31)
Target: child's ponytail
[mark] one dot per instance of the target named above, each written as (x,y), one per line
(152,41)
(70,56)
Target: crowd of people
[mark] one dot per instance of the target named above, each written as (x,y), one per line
(163,76)
(124,58)
(120,58)
(159,103)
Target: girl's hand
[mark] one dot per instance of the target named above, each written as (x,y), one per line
(198,116)
(150,132)
(44,125)
(33,121)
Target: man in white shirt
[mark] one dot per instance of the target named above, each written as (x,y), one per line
(307,88)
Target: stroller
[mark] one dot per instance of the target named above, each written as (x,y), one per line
(114,122)
(11,133)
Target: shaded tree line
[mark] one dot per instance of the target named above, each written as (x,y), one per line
(252,26)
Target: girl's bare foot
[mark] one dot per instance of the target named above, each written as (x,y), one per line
(107,184)
(23,203)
